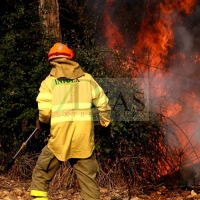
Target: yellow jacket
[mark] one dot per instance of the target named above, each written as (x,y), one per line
(65,99)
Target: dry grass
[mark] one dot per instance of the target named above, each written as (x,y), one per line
(65,177)
(23,167)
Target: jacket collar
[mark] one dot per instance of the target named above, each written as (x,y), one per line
(62,67)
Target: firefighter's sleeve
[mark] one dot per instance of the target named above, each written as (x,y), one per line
(44,100)
(100,100)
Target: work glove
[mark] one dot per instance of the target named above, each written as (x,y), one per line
(104,130)
(42,126)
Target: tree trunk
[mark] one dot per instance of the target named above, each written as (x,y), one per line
(49,15)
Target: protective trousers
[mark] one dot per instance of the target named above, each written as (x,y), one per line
(48,164)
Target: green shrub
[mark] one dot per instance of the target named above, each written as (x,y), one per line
(22,68)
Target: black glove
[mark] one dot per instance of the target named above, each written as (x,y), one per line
(42,126)
(104,130)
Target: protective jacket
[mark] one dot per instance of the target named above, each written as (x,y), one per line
(65,100)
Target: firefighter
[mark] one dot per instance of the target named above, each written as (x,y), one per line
(65,103)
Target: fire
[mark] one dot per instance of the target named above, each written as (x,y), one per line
(185,6)
(173,110)
(196,58)
(155,50)
(192,100)
(157,39)
(112,33)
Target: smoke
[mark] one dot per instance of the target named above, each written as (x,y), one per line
(185,71)
(184,40)
(175,85)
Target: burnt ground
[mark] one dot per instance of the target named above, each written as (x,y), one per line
(19,190)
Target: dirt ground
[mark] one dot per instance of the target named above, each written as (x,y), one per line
(19,190)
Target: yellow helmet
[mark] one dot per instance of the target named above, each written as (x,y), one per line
(60,50)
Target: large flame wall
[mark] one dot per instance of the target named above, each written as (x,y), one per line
(164,36)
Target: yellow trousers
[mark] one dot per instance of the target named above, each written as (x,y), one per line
(46,167)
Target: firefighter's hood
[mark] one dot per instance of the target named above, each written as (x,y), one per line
(62,67)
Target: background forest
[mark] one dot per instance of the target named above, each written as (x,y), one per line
(136,151)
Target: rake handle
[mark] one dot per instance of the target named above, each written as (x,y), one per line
(11,161)
(24,143)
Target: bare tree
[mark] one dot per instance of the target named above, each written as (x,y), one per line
(49,15)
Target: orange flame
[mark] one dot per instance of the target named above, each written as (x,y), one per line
(157,38)
(112,33)
(154,50)
(173,110)
(185,6)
